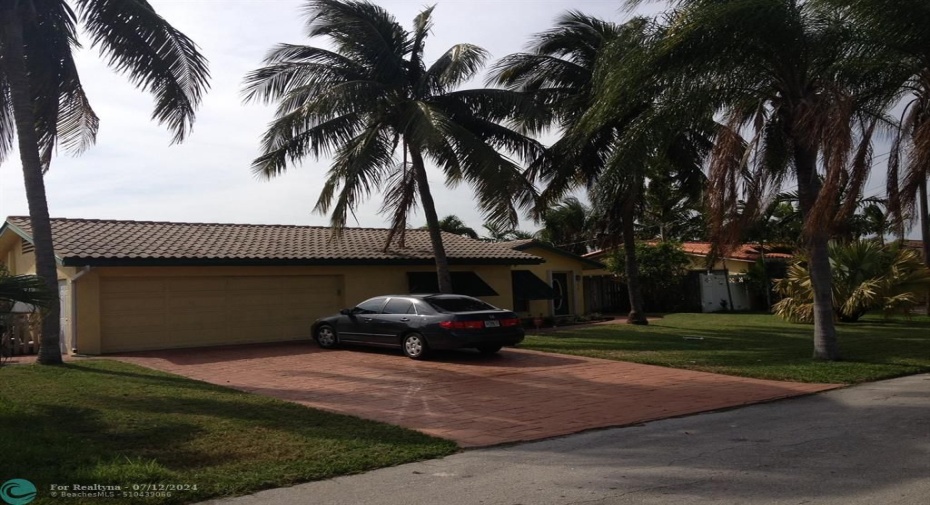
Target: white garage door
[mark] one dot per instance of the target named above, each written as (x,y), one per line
(165,312)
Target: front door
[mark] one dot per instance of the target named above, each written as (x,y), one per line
(561,301)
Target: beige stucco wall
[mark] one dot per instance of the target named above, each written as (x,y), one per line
(358,284)
(555,262)
(12,257)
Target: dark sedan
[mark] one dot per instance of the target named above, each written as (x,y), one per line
(418,324)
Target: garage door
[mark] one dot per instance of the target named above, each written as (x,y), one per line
(164,312)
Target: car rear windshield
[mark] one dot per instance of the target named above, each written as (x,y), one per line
(457,304)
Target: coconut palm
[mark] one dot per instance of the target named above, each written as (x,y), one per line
(614,155)
(498,233)
(372,96)
(784,77)
(566,226)
(452,224)
(42,100)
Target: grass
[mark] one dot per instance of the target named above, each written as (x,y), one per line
(110,423)
(753,345)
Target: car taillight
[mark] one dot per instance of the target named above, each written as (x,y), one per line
(476,325)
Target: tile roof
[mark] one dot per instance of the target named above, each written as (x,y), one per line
(742,252)
(108,242)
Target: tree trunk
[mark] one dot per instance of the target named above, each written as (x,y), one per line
(924,230)
(924,220)
(631,267)
(826,346)
(49,350)
(432,221)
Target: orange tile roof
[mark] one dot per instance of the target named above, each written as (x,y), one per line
(742,252)
(98,242)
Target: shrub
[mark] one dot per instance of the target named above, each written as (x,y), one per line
(866,276)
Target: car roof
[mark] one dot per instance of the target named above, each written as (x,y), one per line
(423,296)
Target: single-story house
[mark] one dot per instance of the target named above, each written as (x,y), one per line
(135,285)
(721,284)
(552,288)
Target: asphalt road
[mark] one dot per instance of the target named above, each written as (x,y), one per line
(867,444)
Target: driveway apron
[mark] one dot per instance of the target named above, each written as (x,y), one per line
(475,400)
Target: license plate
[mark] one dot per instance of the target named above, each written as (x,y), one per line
(491,324)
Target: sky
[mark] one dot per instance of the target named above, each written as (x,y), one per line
(134,173)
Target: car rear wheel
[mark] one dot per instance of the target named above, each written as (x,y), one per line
(326,337)
(414,346)
(489,349)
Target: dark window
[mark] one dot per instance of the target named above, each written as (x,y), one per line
(398,306)
(372,306)
(521,305)
(458,304)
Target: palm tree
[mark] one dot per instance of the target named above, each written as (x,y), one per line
(784,73)
(372,94)
(452,224)
(566,226)
(28,289)
(41,97)
(498,233)
(867,275)
(561,71)
(900,27)
(672,209)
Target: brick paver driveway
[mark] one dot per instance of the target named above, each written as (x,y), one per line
(472,399)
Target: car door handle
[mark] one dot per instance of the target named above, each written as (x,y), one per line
(405,319)
(368,319)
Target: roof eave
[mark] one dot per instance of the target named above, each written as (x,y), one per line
(25,236)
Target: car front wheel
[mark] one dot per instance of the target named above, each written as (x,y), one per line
(414,346)
(326,337)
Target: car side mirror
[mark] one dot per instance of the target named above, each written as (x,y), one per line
(346,312)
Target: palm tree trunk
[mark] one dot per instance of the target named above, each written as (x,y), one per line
(631,267)
(924,220)
(432,221)
(825,343)
(49,350)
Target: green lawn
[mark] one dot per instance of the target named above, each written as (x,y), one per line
(110,423)
(753,345)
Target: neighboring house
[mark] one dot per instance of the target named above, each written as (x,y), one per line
(718,285)
(552,288)
(128,285)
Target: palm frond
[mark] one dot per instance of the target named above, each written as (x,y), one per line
(7,124)
(359,168)
(400,199)
(456,66)
(290,66)
(27,289)
(63,113)
(363,32)
(157,57)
